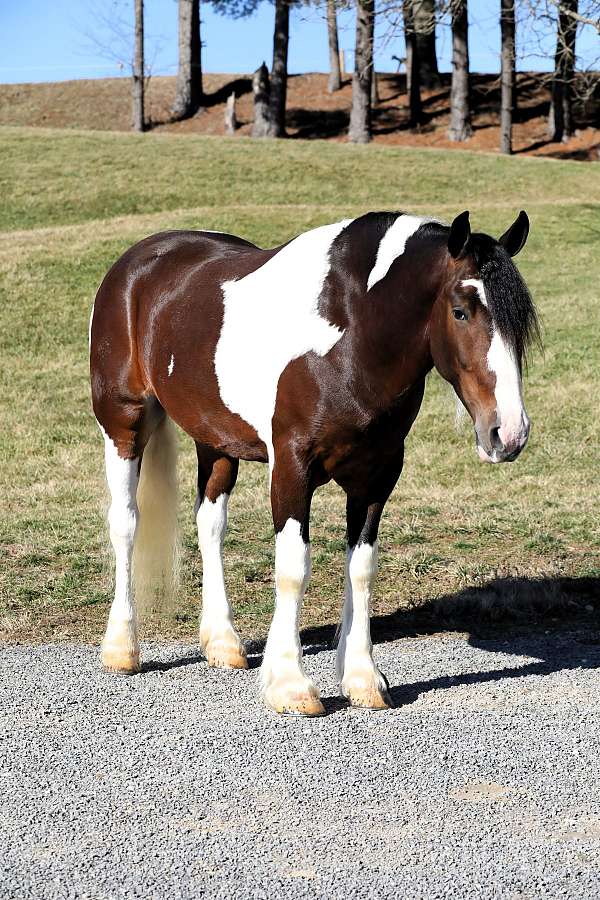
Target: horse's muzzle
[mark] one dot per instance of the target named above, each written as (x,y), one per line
(494,447)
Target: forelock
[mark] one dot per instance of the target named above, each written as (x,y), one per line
(509,301)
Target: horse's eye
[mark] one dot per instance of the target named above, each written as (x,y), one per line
(460,314)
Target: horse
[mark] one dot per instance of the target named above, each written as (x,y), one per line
(312,358)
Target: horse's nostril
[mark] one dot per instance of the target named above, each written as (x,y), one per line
(495,440)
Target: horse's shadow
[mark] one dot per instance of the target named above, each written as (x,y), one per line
(523,616)
(578,654)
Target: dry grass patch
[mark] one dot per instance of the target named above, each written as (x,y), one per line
(456,535)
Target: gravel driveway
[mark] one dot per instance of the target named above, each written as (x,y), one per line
(482,782)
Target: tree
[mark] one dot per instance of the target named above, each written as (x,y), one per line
(139,121)
(413,68)
(274,122)
(360,116)
(261,89)
(335,75)
(424,25)
(188,93)
(560,123)
(460,113)
(507,76)
(281,35)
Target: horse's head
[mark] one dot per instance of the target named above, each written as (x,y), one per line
(482,323)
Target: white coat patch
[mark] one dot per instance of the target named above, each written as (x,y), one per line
(392,246)
(271,317)
(171,366)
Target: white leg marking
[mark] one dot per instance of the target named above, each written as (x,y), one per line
(120,647)
(360,679)
(392,245)
(271,317)
(285,685)
(218,638)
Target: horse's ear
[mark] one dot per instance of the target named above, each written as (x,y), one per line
(460,233)
(514,239)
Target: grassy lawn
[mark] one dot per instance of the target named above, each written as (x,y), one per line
(73,201)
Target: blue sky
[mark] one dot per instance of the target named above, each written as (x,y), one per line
(51,40)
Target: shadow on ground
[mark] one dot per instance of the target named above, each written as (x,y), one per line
(523,616)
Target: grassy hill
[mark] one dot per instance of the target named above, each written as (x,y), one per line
(73,201)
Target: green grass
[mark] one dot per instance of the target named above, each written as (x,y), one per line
(72,202)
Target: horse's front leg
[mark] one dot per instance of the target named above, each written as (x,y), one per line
(286,687)
(360,679)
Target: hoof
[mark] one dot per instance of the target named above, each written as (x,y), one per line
(287,702)
(301,706)
(370,699)
(221,656)
(367,689)
(120,662)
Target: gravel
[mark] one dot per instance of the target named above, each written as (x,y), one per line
(482,782)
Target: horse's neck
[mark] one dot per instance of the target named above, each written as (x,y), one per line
(391,340)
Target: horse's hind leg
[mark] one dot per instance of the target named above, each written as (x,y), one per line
(126,428)
(219,640)
(120,647)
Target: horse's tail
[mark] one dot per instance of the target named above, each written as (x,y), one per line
(155,550)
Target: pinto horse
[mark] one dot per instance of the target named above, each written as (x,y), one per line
(311,357)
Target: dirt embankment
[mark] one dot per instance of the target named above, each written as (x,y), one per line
(105,104)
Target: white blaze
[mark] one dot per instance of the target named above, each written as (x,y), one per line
(508,390)
(477,283)
(271,317)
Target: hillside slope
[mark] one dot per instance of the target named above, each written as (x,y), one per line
(105,104)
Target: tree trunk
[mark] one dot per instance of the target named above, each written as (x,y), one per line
(281,35)
(230,116)
(460,113)
(360,116)
(424,21)
(413,72)
(560,122)
(138,68)
(188,95)
(507,76)
(374,88)
(261,89)
(335,74)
